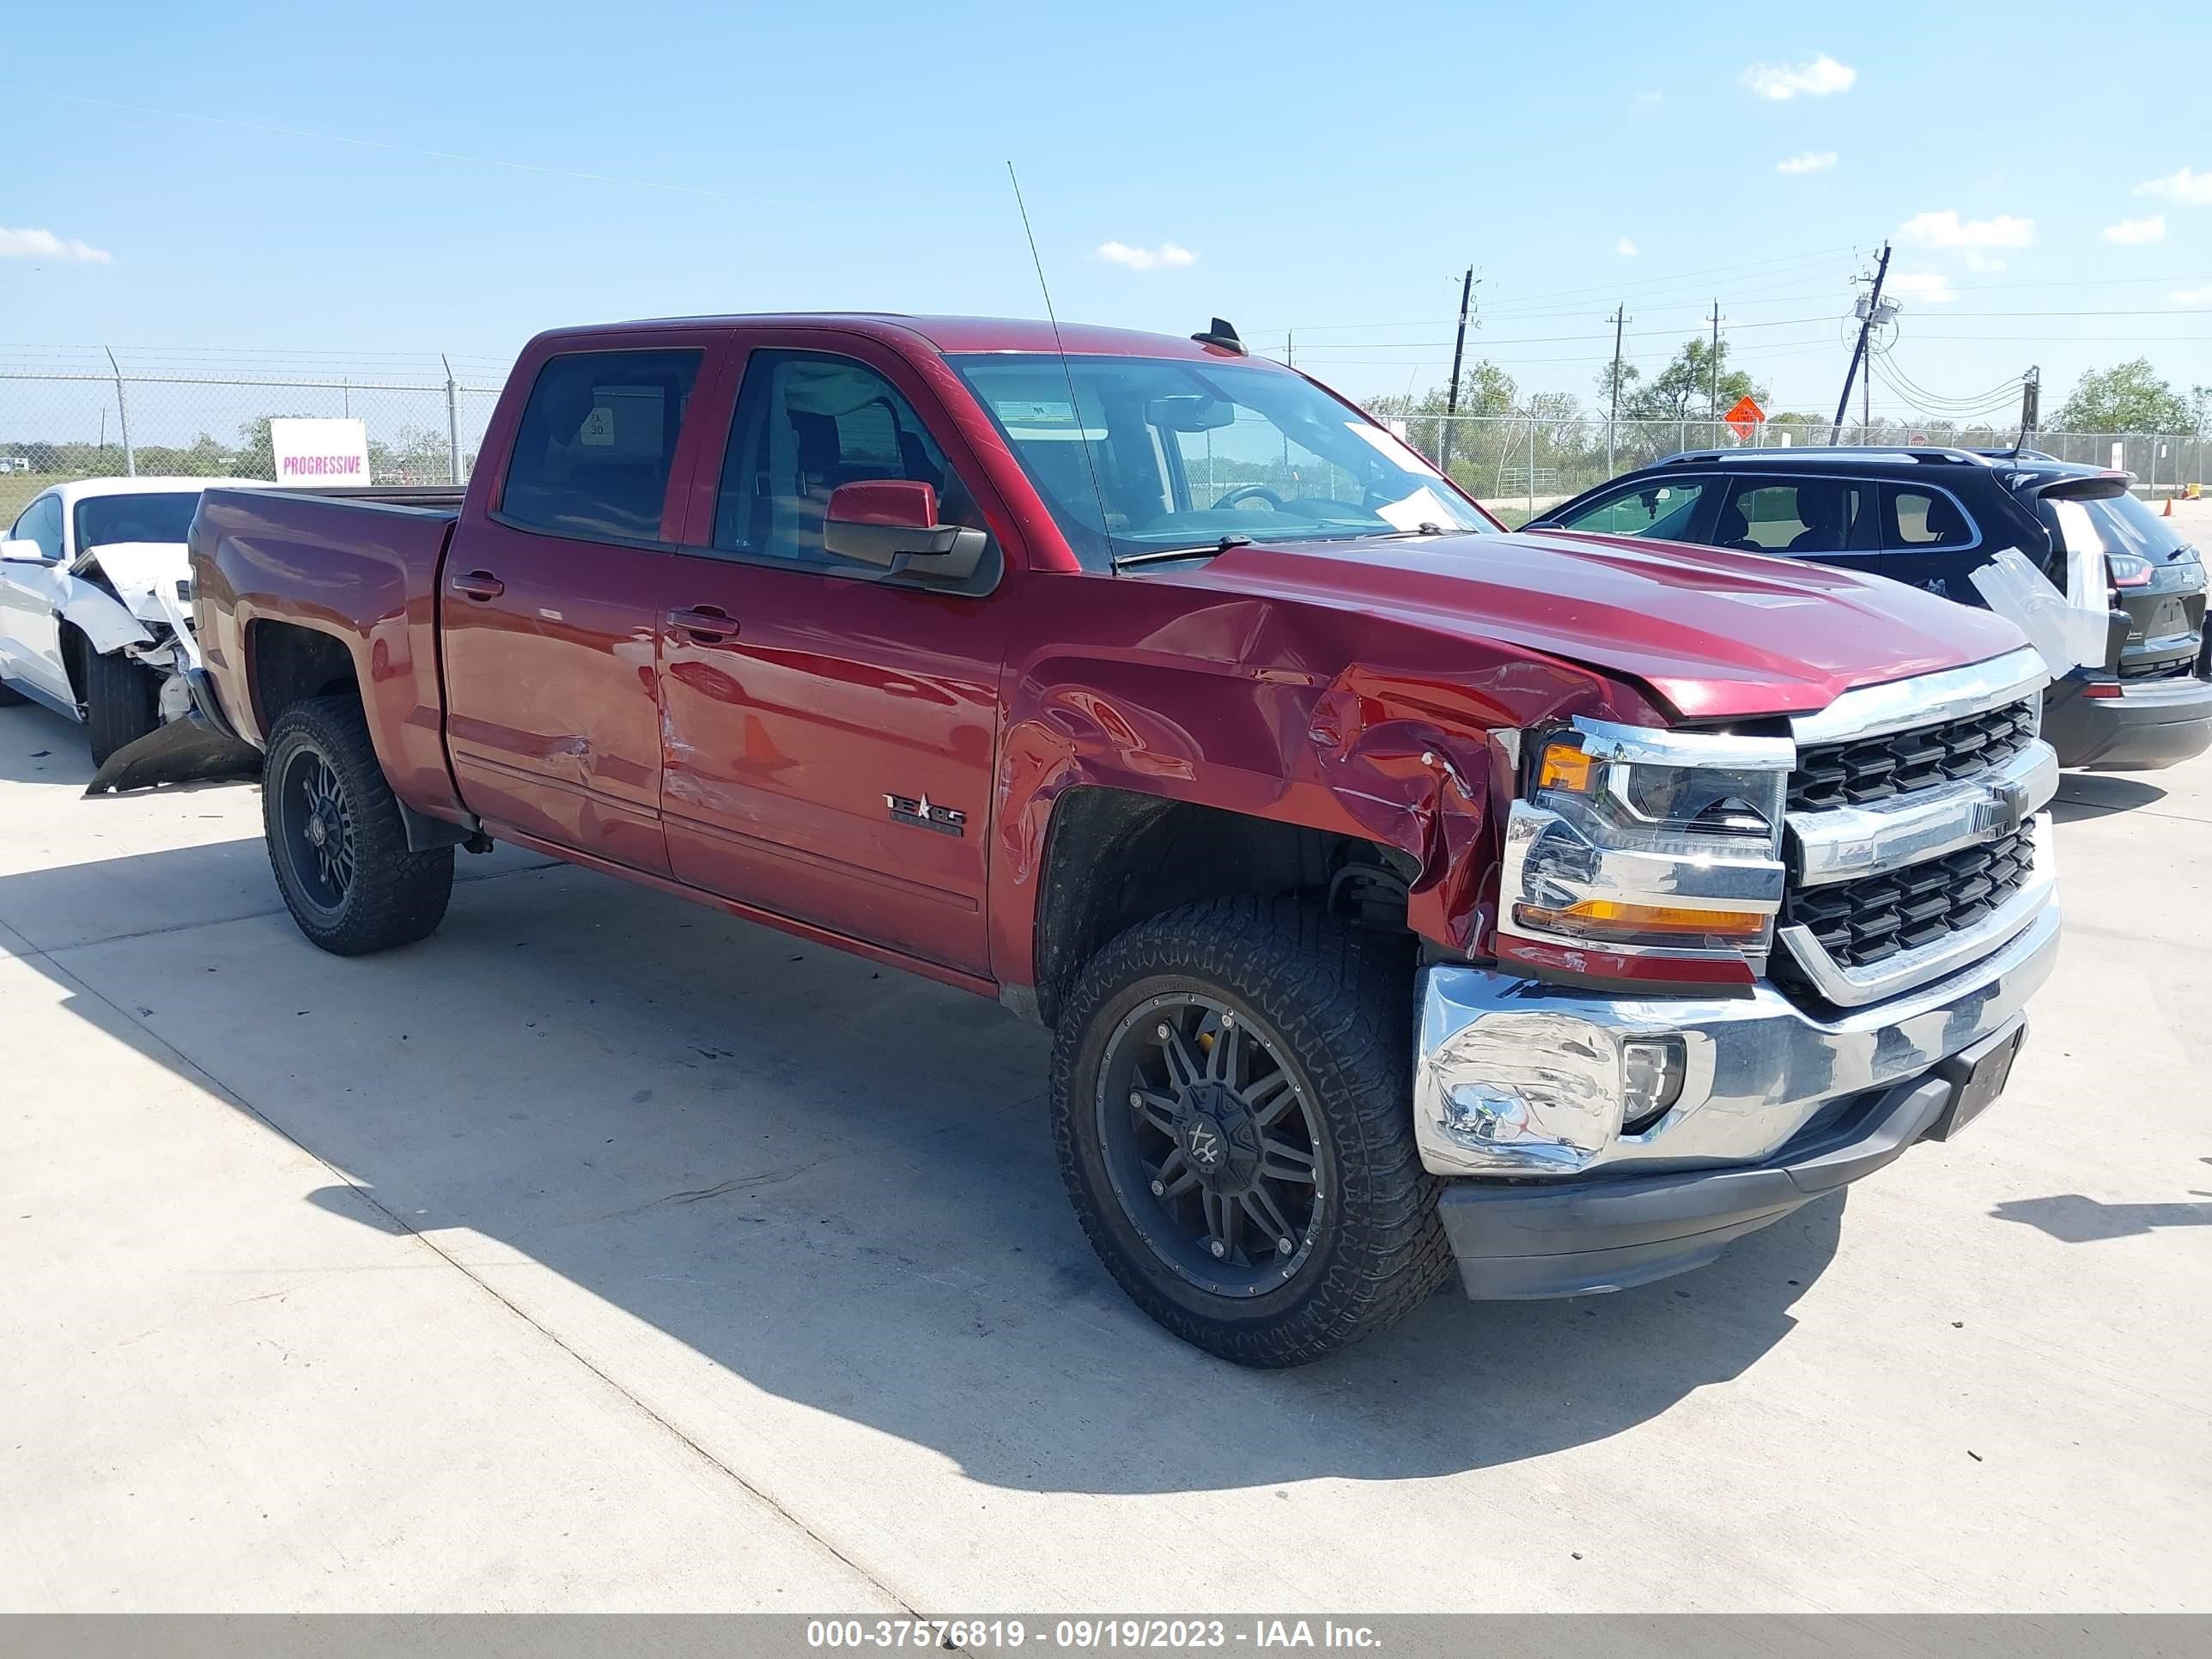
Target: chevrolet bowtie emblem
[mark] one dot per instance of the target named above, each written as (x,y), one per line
(924,813)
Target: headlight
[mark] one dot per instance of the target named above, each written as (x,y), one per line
(1646,854)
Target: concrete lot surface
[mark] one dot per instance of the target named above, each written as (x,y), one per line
(601,1253)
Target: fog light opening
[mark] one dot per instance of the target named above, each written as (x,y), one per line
(1651,1072)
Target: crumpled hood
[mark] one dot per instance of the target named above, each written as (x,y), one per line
(1716,633)
(137,570)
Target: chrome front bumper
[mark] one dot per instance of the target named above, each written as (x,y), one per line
(1517,1079)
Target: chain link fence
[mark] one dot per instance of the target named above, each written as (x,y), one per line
(1522,464)
(74,413)
(71,419)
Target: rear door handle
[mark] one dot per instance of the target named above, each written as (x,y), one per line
(479,585)
(707,624)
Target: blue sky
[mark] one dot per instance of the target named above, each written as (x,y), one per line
(1320,166)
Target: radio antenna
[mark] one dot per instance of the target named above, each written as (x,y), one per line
(1074,401)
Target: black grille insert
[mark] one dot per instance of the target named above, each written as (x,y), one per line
(1866,770)
(1863,921)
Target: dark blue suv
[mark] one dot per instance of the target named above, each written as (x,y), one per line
(2102,585)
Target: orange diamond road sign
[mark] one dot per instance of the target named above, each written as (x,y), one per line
(1743,420)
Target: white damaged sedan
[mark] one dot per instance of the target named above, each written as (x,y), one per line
(95,604)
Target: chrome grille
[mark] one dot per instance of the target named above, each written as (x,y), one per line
(1856,772)
(1863,921)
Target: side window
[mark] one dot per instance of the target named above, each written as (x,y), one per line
(41,522)
(1921,521)
(1804,518)
(596,442)
(1660,511)
(806,423)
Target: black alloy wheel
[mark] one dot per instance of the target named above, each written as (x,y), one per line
(1213,1147)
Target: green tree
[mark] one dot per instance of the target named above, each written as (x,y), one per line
(1685,388)
(2130,397)
(256,457)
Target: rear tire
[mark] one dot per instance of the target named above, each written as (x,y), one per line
(335,840)
(122,703)
(1290,1148)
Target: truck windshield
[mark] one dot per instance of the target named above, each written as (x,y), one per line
(103,520)
(1170,454)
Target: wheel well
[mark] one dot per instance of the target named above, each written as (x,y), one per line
(291,663)
(1114,858)
(74,648)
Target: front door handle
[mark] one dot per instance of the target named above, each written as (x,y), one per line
(479,585)
(707,624)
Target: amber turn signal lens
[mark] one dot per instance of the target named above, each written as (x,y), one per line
(1616,915)
(1567,767)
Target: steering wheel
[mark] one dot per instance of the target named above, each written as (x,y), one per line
(1260,491)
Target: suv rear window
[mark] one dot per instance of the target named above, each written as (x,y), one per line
(596,444)
(2112,524)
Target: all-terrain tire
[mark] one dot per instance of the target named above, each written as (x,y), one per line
(1336,1001)
(390,896)
(122,703)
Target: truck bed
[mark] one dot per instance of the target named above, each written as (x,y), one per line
(284,578)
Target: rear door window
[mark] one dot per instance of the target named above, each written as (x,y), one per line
(1664,512)
(596,443)
(1924,521)
(1799,517)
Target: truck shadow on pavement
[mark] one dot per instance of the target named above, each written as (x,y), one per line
(2100,794)
(2074,1218)
(834,1183)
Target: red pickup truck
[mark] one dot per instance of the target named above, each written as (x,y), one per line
(1399,891)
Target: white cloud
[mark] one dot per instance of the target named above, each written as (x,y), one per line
(1166,256)
(1983,261)
(2194,189)
(1815,79)
(2134,233)
(1811,161)
(1929,287)
(44,245)
(1627,249)
(2193,297)
(1946,229)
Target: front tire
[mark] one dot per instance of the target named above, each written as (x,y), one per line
(335,840)
(122,703)
(1231,1104)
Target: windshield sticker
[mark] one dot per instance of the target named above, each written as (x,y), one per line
(1423,507)
(1397,452)
(1029,411)
(599,429)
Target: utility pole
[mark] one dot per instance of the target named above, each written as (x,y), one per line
(1613,415)
(1713,398)
(1859,351)
(2031,405)
(1459,348)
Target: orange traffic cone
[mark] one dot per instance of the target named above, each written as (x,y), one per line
(2169,508)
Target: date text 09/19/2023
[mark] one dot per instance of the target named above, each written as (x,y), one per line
(1083,1634)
